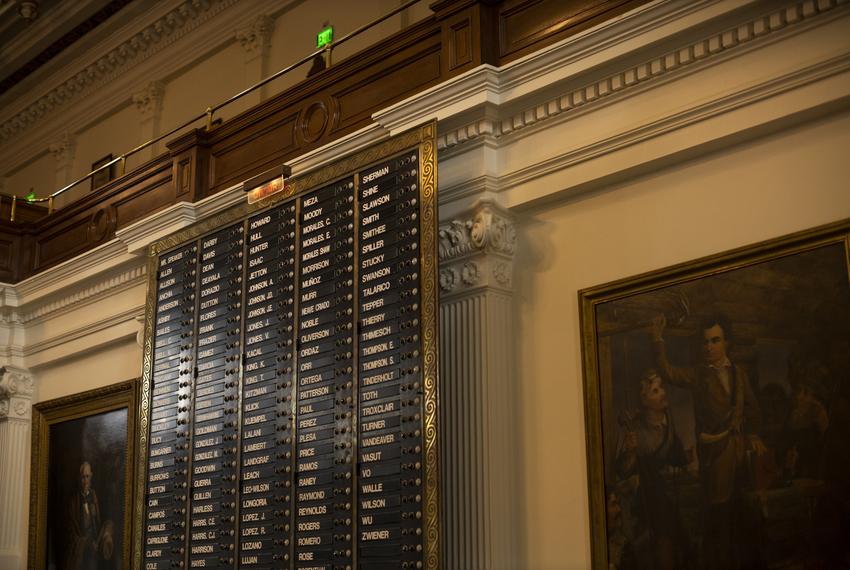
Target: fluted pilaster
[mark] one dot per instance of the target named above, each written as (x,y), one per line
(16,389)
(148,102)
(63,149)
(477,389)
(255,39)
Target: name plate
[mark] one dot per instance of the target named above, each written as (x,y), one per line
(287,382)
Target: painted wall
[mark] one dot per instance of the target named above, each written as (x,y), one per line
(221,68)
(741,195)
(576,228)
(37,175)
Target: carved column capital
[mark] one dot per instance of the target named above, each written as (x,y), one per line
(477,250)
(256,37)
(16,391)
(62,148)
(148,100)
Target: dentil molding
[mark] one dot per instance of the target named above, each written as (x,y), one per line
(485,103)
(668,65)
(92,292)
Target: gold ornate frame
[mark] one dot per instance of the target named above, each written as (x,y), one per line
(595,393)
(45,415)
(423,137)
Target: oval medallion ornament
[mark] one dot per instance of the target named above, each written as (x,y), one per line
(313,121)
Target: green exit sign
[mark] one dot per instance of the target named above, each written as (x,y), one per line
(325,37)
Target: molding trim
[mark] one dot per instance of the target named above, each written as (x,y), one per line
(72,271)
(152,38)
(487,84)
(130,315)
(478,92)
(207,34)
(138,235)
(753,94)
(676,61)
(101,288)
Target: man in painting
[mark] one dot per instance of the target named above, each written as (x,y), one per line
(90,540)
(648,454)
(727,420)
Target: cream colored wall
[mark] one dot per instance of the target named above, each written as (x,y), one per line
(221,70)
(110,135)
(744,193)
(108,364)
(210,81)
(295,32)
(88,346)
(39,175)
(741,195)
(104,137)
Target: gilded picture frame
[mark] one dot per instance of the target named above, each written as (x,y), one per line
(82,469)
(717,409)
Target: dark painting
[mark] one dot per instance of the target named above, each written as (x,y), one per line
(85,492)
(724,416)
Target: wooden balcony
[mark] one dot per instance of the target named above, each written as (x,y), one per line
(458,36)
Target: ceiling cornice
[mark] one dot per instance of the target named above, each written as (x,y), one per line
(50,35)
(123,50)
(190,42)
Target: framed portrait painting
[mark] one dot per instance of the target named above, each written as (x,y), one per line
(101,177)
(82,476)
(717,400)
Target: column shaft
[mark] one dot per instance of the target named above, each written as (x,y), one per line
(477,396)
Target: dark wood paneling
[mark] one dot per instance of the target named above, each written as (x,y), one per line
(240,157)
(15,251)
(157,193)
(92,221)
(7,260)
(328,105)
(460,35)
(528,25)
(25,212)
(402,76)
(469,34)
(63,242)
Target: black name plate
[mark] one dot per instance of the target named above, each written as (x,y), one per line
(287,381)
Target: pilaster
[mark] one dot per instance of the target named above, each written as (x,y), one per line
(16,392)
(62,150)
(477,399)
(255,40)
(148,103)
